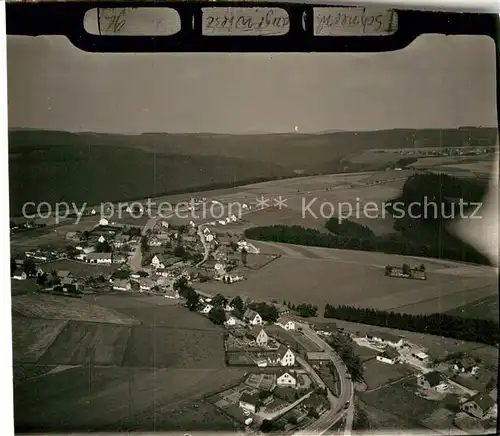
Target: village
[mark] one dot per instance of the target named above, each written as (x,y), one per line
(291,380)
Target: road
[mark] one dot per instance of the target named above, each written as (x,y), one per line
(135,261)
(329,418)
(206,246)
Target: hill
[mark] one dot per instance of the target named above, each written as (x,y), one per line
(92,167)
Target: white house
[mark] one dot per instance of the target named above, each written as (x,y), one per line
(19,275)
(252,317)
(88,250)
(209,238)
(286,323)
(228,308)
(158,261)
(103,222)
(164,224)
(258,335)
(384,339)
(207,309)
(286,356)
(230,320)
(121,285)
(103,258)
(220,268)
(101,239)
(285,379)
(154,242)
(466,365)
(390,356)
(233,218)
(146,284)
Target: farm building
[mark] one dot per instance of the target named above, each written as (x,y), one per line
(230,320)
(252,317)
(249,402)
(421,357)
(286,323)
(121,285)
(314,403)
(282,310)
(466,365)
(19,274)
(102,258)
(384,339)
(258,335)
(480,406)
(432,380)
(207,308)
(103,222)
(285,379)
(390,356)
(317,356)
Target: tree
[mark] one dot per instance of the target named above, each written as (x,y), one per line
(406,269)
(233,245)
(192,298)
(85,235)
(179,251)
(388,270)
(181,284)
(237,303)
(244,256)
(217,315)
(41,279)
(219,301)
(422,267)
(71,251)
(13,267)
(144,245)
(29,267)
(103,247)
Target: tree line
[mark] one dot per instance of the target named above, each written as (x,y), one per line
(439,324)
(392,244)
(343,346)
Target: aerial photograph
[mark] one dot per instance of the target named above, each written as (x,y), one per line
(252,243)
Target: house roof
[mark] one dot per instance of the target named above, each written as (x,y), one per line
(384,336)
(281,308)
(250,314)
(249,398)
(466,362)
(18,272)
(390,353)
(99,256)
(434,378)
(282,350)
(317,355)
(282,372)
(63,273)
(484,401)
(255,331)
(284,319)
(121,283)
(66,281)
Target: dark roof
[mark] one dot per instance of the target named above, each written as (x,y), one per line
(384,336)
(390,353)
(255,331)
(484,401)
(249,398)
(250,314)
(434,378)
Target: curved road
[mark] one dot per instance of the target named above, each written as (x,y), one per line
(330,417)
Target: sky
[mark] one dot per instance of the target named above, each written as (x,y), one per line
(437,81)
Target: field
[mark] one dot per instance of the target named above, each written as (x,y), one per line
(484,308)
(79,269)
(377,374)
(401,399)
(31,337)
(63,308)
(81,343)
(320,276)
(96,398)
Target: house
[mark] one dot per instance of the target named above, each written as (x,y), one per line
(479,406)
(382,338)
(421,357)
(286,379)
(154,242)
(390,356)
(314,403)
(19,274)
(105,258)
(318,356)
(67,281)
(146,284)
(228,308)
(252,317)
(207,308)
(209,238)
(220,268)
(432,380)
(121,285)
(72,236)
(63,273)
(230,320)
(103,222)
(466,365)
(286,323)
(119,258)
(101,239)
(88,250)
(249,402)
(171,293)
(282,310)
(120,241)
(258,335)
(286,356)
(158,261)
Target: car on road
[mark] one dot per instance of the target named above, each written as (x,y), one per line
(347,404)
